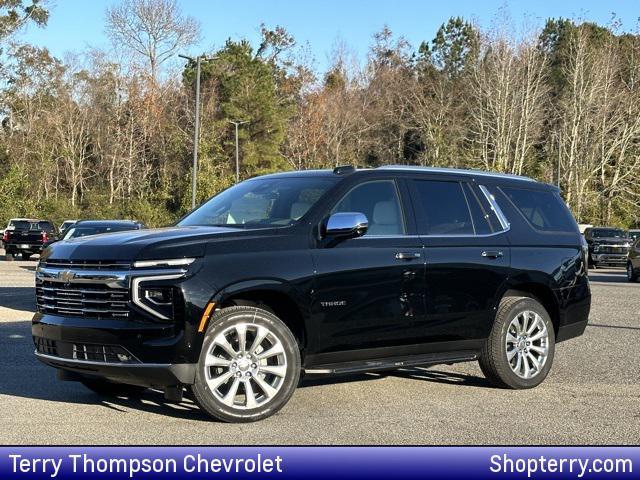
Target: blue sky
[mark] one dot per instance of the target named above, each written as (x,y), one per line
(76,24)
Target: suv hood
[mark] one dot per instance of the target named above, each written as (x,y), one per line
(160,243)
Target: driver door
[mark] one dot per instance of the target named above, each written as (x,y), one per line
(369,290)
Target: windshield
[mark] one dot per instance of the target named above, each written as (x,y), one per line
(261,202)
(608,233)
(75,232)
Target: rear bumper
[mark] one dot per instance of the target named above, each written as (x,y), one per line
(575,305)
(23,247)
(144,374)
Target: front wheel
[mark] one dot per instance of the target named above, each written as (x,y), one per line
(632,275)
(519,351)
(249,365)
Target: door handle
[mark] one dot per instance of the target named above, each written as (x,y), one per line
(407,255)
(492,254)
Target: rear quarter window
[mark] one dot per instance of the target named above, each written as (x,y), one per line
(543,209)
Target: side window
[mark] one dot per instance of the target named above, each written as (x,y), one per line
(543,209)
(445,208)
(485,220)
(379,201)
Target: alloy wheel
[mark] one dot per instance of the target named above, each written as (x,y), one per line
(245,366)
(527,344)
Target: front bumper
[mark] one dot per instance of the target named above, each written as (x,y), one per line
(612,258)
(144,374)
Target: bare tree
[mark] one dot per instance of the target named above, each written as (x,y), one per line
(154,29)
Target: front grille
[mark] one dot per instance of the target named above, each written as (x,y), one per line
(84,351)
(100,353)
(87,264)
(82,299)
(614,250)
(46,346)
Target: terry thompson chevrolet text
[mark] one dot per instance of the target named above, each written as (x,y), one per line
(319,272)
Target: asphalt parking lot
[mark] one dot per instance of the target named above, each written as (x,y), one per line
(591,397)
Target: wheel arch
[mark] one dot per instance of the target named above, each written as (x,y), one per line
(275,296)
(539,292)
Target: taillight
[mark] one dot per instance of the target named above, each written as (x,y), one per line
(5,236)
(45,237)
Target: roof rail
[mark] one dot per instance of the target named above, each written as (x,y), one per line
(458,171)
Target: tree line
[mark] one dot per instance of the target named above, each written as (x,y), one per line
(108,134)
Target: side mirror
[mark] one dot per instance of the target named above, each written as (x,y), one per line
(346,225)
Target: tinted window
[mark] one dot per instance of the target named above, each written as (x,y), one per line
(544,210)
(261,202)
(608,233)
(379,202)
(445,208)
(20,225)
(43,226)
(485,221)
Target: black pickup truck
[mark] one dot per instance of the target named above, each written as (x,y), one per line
(27,237)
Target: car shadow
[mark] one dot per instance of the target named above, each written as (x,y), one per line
(26,377)
(18,298)
(608,276)
(414,373)
(622,327)
(439,376)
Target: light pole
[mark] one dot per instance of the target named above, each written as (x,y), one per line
(196,133)
(237,123)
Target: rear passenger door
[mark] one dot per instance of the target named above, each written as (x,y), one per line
(467,259)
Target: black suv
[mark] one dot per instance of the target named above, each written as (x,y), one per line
(608,246)
(319,272)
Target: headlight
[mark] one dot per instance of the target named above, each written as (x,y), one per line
(156,299)
(172,262)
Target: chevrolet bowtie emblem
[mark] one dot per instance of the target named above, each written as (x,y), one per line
(66,276)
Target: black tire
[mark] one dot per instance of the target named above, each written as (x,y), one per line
(26,256)
(209,401)
(493,357)
(632,275)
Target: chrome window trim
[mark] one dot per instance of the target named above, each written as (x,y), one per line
(496,208)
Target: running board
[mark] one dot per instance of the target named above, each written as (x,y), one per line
(393,363)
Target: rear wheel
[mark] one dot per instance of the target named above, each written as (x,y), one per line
(632,275)
(249,365)
(106,388)
(519,351)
